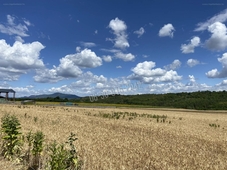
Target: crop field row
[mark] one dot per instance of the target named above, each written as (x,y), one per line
(130,138)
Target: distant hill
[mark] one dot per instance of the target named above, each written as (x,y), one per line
(61,95)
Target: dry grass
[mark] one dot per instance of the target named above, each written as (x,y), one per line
(140,143)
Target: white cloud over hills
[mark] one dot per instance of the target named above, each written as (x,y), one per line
(147,73)
(214,73)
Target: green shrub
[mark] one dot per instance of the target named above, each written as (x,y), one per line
(11,136)
(62,158)
(38,139)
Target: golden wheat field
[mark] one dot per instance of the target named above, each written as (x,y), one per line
(131,139)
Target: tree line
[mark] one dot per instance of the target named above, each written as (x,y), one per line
(200,100)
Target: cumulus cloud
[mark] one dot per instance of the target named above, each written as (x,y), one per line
(139,32)
(107,58)
(89,76)
(21,56)
(85,59)
(176,87)
(191,78)
(221,17)
(192,62)
(89,84)
(63,89)
(125,57)
(19,59)
(174,65)
(99,85)
(145,69)
(119,54)
(11,28)
(166,31)
(70,67)
(189,48)
(220,86)
(218,39)
(119,30)
(223,83)
(118,67)
(214,73)
(146,72)
(47,76)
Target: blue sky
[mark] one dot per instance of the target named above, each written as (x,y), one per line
(88,47)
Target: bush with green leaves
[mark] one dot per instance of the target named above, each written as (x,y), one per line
(58,157)
(11,136)
(28,139)
(62,158)
(73,159)
(38,139)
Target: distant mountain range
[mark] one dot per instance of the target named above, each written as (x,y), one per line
(61,95)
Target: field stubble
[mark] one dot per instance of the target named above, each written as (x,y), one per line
(184,141)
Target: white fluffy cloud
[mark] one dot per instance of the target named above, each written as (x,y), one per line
(70,66)
(107,58)
(125,57)
(119,29)
(47,75)
(174,65)
(176,87)
(139,32)
(146,72)
(220,86)
(192,62)
(221,17)
(214,73)
(20,56)
(189,48)
(19,59)
(223,83)
(89,84)
(166,31)
(218,39)
(191,78)
(146,69)
(11,28)
(85,59)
